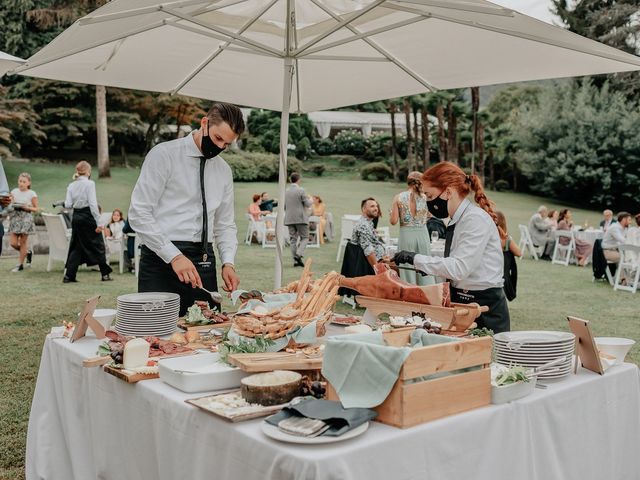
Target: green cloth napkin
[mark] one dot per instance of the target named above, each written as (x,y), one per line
(363,370)
(341,419)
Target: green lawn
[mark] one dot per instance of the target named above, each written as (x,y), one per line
(33,301)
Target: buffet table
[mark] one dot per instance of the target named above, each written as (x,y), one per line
(86,424)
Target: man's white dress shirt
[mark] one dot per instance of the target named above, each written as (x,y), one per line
(475,261)
(614,236)
(166,204)
(81,193)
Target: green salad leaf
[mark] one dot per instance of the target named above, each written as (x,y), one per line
(195,316)
(513,375)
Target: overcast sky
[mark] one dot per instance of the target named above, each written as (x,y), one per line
(534,8)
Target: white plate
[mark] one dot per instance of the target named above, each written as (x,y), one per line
(144,297)
(552,355)
(273,432)
(208,373)
(534,337)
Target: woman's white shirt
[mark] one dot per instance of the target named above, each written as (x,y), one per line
(475,261)
(81,193)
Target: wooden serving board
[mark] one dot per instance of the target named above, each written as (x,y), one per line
(269,361)
(203,328)
(129,376)
(104,359)
(200,402)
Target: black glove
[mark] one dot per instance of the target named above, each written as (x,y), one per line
(403,257)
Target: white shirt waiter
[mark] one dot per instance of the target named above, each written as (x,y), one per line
(81,193)
(166,201)
(476,261)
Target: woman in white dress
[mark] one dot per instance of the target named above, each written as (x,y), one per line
(21,223)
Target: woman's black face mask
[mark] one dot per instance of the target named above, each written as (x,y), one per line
(438,207)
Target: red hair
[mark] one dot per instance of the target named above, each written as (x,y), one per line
(447,174)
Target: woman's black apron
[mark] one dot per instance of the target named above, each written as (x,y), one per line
(86,245)
(497,318)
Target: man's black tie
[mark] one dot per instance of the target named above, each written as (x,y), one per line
(448,238)
(205,219)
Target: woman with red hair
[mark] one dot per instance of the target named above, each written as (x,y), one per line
(473,260)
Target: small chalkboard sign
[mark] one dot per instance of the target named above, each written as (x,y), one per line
(86,320)
(585,345)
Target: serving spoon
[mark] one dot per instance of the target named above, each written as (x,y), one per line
(215,296)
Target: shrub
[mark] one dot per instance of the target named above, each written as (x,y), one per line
(325,146)
(502,185)
(303,149)
(318,169)
(347,161)
(350,142)
(258,167)
(380,171)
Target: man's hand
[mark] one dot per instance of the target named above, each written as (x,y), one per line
(403,257)
(186,271)
(5,201)
(230,278)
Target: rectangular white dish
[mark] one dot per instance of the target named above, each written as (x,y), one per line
(513,391)
(199,373)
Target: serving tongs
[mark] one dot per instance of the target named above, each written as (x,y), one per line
(549,367)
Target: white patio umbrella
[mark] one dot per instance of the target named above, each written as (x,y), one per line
(305,55)
(9,62)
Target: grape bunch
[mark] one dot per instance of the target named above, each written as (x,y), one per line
(431,327)
(314,388)
(116,356)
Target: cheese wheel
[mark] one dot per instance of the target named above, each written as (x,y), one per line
(136,353)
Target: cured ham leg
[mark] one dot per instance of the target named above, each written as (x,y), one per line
(387,284)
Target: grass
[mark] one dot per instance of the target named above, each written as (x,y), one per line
(33,301)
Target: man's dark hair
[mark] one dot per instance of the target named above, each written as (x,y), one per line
(229,113)
(262,194)
(623,215)
(295,176)
(638,219)
(365,201)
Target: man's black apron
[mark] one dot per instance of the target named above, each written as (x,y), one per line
(157,276)
(86,246)
(497,318)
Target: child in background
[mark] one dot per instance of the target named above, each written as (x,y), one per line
(115,226)
(21,223)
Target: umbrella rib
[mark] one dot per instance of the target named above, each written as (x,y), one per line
(296,65)
(516,34)
(344,22)
(360,36)
(346,58)
(382,51)
(466,7)
(221,48)
(107,17)
(223,31)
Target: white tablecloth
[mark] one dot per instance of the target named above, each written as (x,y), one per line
(589,235)
(86,424)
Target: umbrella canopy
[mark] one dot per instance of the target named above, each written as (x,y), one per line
(305,55)
(8,62)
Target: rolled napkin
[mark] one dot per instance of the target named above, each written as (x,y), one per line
(339,419)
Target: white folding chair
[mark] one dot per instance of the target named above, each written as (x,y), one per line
(136,252)
(314,238)
(346,229)
(59,238)
(255,226)
(526,243)
(105,218)
(630,266)
(562,254)
(349,301)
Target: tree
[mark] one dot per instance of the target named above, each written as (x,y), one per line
(16,115)
(102,132)
(612,22)
(392,108)
(406,106)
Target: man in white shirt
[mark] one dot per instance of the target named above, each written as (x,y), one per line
(176,223)
(615,236)
(607,220)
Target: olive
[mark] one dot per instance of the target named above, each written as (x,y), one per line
(114,354)
(118,358)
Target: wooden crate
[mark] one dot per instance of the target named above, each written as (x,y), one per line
(414,403)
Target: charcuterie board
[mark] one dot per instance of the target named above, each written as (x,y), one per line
(268,361)
(203,328)
(129,376)
(233,414)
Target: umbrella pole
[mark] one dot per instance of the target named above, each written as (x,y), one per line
(282,173)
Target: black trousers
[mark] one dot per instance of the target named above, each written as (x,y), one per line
(86,245)
(157,276)
(497,318)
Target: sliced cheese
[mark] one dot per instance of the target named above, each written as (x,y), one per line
(358,329)
(136,353)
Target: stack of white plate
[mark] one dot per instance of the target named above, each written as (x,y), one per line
(147,314)
(535,348)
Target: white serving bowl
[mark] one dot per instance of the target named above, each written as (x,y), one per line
(104,316)
(199,373)
(618,347)
(512,391)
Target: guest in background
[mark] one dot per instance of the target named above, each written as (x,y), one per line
(615,236)
(540,231)
(319,209)
(552,219)
(376,219)
(410,209)
(87,242)
(254,208)
(364,234)
(510,251)
(607,220)
(267,204)
(583,249)
(633,238)
(113,230)
(21,223)
(296,217)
